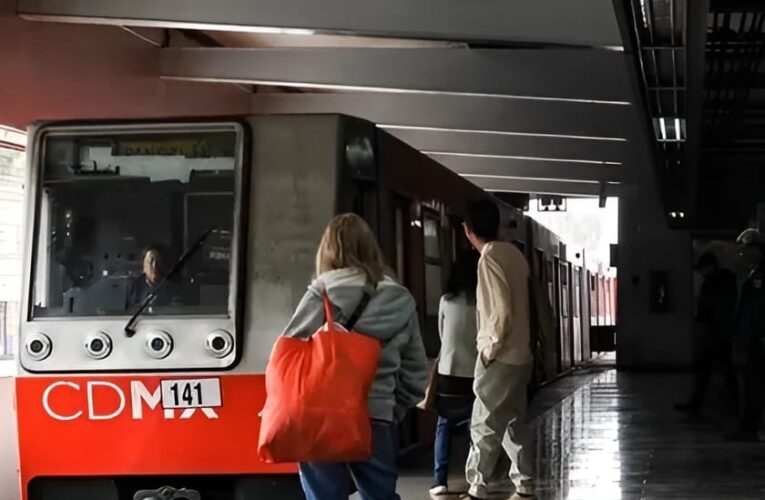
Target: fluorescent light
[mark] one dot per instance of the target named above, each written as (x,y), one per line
(644,13)
(500,132)
(663,129)
(677,128)
(526,158)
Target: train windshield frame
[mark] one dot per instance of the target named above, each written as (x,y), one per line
(115,208)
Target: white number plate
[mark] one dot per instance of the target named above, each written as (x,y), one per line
(193,393)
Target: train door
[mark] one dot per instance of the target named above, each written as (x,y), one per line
(601,301)
(399,233)
(586,298)
(576,316)
(542,271)
(609,299)
(556,300)
(564,299)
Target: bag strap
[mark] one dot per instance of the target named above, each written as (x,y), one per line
(362,305)
(330,319)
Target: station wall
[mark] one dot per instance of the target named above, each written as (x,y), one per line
(652,336)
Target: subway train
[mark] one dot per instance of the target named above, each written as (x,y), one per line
(116,397)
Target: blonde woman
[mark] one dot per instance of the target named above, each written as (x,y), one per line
(348,262)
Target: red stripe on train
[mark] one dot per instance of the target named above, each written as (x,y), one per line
(115,425)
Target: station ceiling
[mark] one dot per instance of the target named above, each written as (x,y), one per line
(539,96)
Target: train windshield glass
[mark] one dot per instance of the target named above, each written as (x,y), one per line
(116,211)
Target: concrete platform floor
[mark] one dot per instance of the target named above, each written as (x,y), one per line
(614,436)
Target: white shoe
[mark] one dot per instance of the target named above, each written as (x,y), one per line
(438,490)
(516,496)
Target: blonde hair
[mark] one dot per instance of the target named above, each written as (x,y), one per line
(349,242)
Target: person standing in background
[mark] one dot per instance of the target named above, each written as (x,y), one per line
(456,361)
(505,360)
(750,334)
(715,311)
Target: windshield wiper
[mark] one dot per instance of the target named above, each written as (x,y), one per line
(129,330)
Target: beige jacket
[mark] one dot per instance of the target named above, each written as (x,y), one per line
(502,304)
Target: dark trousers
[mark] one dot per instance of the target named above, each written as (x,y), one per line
(754,384)
(715,353)
(375,478)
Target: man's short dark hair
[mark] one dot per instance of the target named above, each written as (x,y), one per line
(483,219)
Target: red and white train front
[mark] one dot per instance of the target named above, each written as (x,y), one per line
(132,379)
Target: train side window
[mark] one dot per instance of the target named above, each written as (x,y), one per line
(577,292)
(116,211)
(539,258)
(564,289)
(550,277)
(432,241)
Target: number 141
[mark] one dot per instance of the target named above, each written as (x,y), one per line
(187,395)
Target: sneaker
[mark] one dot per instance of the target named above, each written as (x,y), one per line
(438,490)
(524,496)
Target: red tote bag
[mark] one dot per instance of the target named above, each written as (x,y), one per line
(316,396)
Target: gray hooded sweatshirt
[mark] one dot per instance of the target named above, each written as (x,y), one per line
(391,317)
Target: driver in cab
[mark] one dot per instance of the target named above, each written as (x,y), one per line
(151,276)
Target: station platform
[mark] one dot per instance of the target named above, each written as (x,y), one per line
(604,435)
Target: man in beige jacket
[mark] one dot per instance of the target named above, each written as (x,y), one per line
(504,364)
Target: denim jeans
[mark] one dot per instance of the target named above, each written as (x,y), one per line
(447,421)
(375,478)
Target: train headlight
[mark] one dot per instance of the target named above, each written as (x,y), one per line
(219,343)
(38,346)
(159,344)
(98,346)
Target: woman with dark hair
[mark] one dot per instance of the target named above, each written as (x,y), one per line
(456,361)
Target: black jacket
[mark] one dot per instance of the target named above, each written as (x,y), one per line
(717,302)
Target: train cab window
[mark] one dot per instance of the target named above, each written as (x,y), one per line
(118,210)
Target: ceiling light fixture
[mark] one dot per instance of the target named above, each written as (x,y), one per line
(663,129)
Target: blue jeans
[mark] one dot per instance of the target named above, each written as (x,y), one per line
(375,478)
(447,422)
